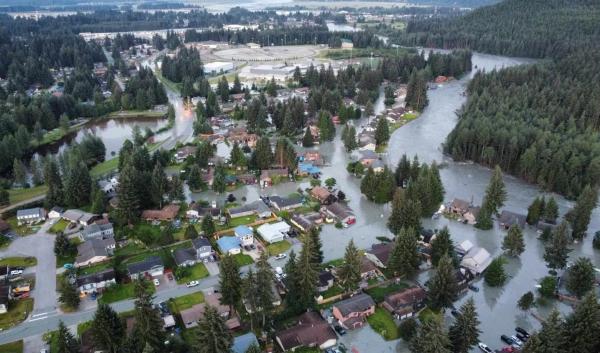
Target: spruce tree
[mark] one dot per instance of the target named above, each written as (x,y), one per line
(316,246)
(307,274)
(580,216)
(349,138)
(494,275)
(129,201)
(484,217)
(403,170)
(307,140)
(78,186)
(442,246)
(405,258)
(513,243)
(550,211)
(264,282)
(263,153)
(212,335)
(219,184)
(191,232)
(526,301)
(208,225)
(194,178)
(250,296)
(230,282)
(19,172)
(464,333)
(495,194)
(158,185)
(557,250)
(176,189)
(368,185)
(443,287)
(550,339)
(581,277)
(406,213)
(349,272)
(237,157)
(108,331)
(431,338)
(68,294)
(382,131)
(65,342)
(148,323)
(582,327)
(535,210)
(385,185)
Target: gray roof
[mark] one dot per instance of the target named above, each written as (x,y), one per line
(508,218)
(37,211)
(78,216)
(257,206)
(183,255)
(285,201)
(104,275)
(357,303)
(145,265)
(95,228)
(93,247)
(200,242)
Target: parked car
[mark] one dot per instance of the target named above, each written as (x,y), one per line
(485,348)
(507,339)
(339,329)
(517,341)
(16,271)
(455,313)
(156,282)
(280,256)
(522,331)
(521,337)
(473,288)
(192,284)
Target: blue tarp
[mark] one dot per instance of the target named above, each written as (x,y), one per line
(308,168)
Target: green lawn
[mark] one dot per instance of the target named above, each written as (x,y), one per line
(22,194)
(59,226)
(194,273)
(13,347)
(18,261)
(105,167)
(379,293)
(335,263)
(278,247)
(95,268)
(185,302)
(130,249)
(16,314)
(243,259)
(117,293)
(428,314)
(20,230)
(237,222)
(333,291)
(383,323)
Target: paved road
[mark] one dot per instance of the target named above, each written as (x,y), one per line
(22,203)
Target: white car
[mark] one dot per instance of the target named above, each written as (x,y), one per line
(192,284)
(16,272)
(518,342)
(280,256)
(484,348)
(156,282)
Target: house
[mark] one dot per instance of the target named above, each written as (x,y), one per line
(167,213)
(464,247)
(203,249)
(273,232)
(368,270)
(340,212)
(542,227)
(93,251)
(31,215)
(508,219)
(352,312)
(367,158)
(257,208)
(322,195)
(242,137)
(405,303)
(150,267)
(79,217)
(244,234)
(56,212)
(307,168)
(108,188)
(242,343)
(463,277)
(270,176)
(465,209)
(347,44)
(285,203)
(229,245)
(366,141)
(325,281)
(4,298)
(311,331)
(476,260)
(247,179)
(209,176)
(191,316)
(196,210)
(471,215)
(98,230)
(184,152)
(302,222)
(276,299)
(378,166)
(96,282)
(313,157)
(379,254)
(185,257)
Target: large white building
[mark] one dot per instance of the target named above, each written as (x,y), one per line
(279,72)
(273,232)
(216,67)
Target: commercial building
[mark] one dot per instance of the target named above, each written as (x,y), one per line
(217,67)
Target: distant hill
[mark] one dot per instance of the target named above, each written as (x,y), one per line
(530,28)
(455,3)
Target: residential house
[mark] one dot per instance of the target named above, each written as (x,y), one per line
(98,230)
(311,331)
(405,303)
(94,251)
(79,217)
(167,213)
(322,195)
(352,312)
(56,212)
(273,232)
(464,247)
(184,152)
(276,299)
(313,157)
(367,158)
(242,137)
(150,267)
(379,254)
(285,203)
(508,219)
(31,215)
(229,245)
(476,260)
(245,235)
(242,343)
(306,169)
(378,166)
(368,270)
(257,208)
(108,187)
(366,141)
(201,251)
(325,281)
(542,227)
(463,277)
(347,44)
(465,209)
(302,222)
(247,179)
(340,212)
(191,316)
(196,210)
(270,176)
(96,282)
(209,176)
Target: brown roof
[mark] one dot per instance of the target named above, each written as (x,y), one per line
(167,213)
(320,193)
(382,251)
(460,204)
(311,330)
(366,265)
(405,297)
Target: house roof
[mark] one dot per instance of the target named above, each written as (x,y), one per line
(464,246)
(320,192)
(58,209)
(196,312)
(243,342)
(476,260)
(200,242)
(102,276)
(75,215)
(92,248)
(182,256)
(339,210)
(508,218)
(302,221)
(381,251)
(202,211)
(325,277)
(167,212)
(311,330)
(366,266)
(228,243)
(368,155)
(28,212)
(285,201)
(405,297)
(95,228)
(460,204)
(269,231)
(256,206)
(146,265)
(358,303)
(269,173)
(242,231)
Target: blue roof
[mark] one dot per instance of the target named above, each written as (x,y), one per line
(308,168)
(241,231)
(228,243)
(243,342)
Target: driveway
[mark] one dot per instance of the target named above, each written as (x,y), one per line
(212,267)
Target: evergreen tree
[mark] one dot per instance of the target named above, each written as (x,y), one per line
(581,277)
(213,336)
(194,178)
(484,217)
(148,323)
(382,131)
(403,171)
(557,250)
(306,274)
(513,243)
(580,216)
(19,172)
(406,213)
(236,157)
(416,95)
(385,186)
(582,327)
(108,331)
(316,246)
(464,333)
(263,155)
(405,258)
(349,272)
(550,211)
(349,138)
(494,275)
(62,246)
(495,194)
(223,89)
(442,246)
(431,338)
(176,189)
(98,201)
(158,185)
(443,287)
(230,283)
(129,201)
(550,339)
(326,127)
(36,173)
(191,232)
(219,184)
(250,296)
(264,282)
(307,140)
(208,225)
(4,197)
(65,342)
(368,185)
(535,210)
(68,294)
(526,301)
(78,186)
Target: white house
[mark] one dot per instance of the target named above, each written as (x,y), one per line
(31,215)
(273,232)
(476,260)
(245,235)
(56,212)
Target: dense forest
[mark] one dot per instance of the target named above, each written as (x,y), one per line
(527,28)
